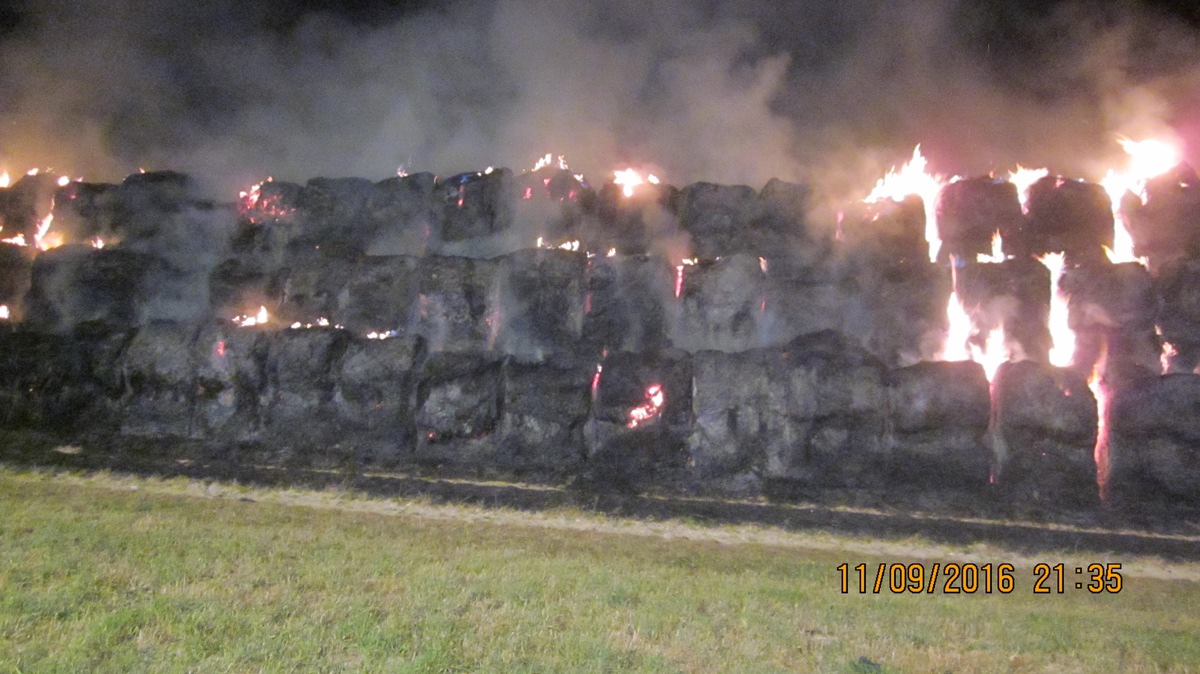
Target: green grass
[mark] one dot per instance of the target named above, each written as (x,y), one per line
(96,577)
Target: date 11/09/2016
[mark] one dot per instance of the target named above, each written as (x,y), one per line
(971,578)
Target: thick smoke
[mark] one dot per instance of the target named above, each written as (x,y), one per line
(826,93)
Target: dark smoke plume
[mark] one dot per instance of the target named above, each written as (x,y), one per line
(737,92)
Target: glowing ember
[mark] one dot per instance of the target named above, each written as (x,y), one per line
(1099,387)
(649,409)
(1168,353)
(1023,178)
(4,316)
(629,179)
(612,252)
(97,242)
(596,379)
(763,264)
(572,246)
(1147,159)
(382,335)
(259,318)
(5,179)
(63,181)
(997,250)
(1062,351)
(912,178)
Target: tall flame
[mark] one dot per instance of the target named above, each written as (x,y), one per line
(1147,159)
(1099,386)
(912,178)
(1062,351)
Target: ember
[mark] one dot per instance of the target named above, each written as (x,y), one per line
(650,409)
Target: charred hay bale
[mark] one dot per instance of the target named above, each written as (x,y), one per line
(641,414)
(1072,216)
(1112,309)
(717,217)
(328,211)
(970,211)
(542,306)
(161,380)
(888,232)
(740,407)
(626,305)
(237,287)
(45,384)
(380,296)
(76,284)
(458,410)
(401,216)
(23,206)
(375,397)
(1013,294)
(84,212)
(1178,291)
(476,204)
(268,220)
(554,203)
(631,224)
(1167,225)
(939,414)
(231,382)
(16,266)
(313,288)
(1154,442)
(544,409)
(301,371)
(836,404)
(897,310)
(793,303)
(459,303)
(722,305)
(1046,418)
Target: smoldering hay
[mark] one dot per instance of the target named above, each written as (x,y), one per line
(826,93)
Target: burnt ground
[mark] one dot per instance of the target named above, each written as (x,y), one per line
(990,516)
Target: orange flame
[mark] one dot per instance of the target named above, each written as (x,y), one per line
(912,178)
(629,179)
(259,318)
(1023,178)
(997,254)
(649,409)
(1147,159)
(1062,351)
(1099,386)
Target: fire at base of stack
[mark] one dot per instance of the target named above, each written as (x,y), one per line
(703,340)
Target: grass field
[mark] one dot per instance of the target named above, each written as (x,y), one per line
(112,573)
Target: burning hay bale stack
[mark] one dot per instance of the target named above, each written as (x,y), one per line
(633,336)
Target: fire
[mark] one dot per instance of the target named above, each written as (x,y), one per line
(686,262)
(1147,159)
(958,345)
(993,353)
(382,335)
(549,160)
(572,246)
(1062,351)
(1023,178)
(649,409)
(4,316)
(42,238)
(912,178)
(629,179)
(63,181)
(259,318)
(97,242)
(1099,386)
(997,250)
(5,179)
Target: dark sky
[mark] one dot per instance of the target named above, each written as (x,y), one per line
(825,92)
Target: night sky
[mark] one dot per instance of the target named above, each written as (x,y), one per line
(829,93)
